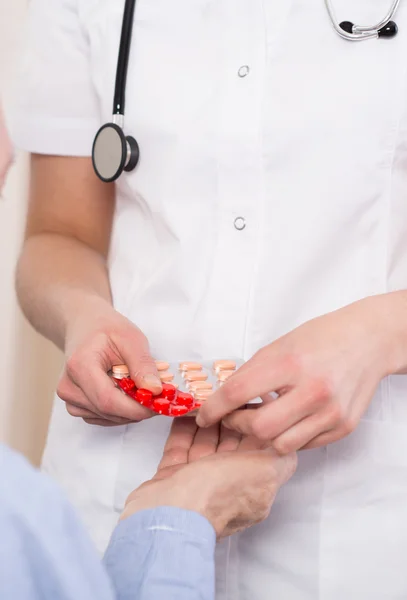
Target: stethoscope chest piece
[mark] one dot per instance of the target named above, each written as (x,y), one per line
(113,152)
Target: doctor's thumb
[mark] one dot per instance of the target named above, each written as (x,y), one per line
(142,366)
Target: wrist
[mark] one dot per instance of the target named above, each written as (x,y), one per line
(81,308)
(190,496)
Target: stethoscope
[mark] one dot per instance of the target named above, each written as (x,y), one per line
(113,152)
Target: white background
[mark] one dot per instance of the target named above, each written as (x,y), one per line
(29,365)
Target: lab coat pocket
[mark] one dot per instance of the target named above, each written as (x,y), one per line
(364,516)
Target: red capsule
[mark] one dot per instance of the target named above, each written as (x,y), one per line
(184,399)
(169,391)
(161,406)
(197,404)
(145,397)
(178,411)
(126,384)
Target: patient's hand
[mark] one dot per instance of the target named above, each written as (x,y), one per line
(230,480)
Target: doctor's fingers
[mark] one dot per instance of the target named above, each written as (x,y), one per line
(78,405)
(92,389)
(331,421)
(332,434)
(94,418)
(133,347)
(275,417)
(299,436)
(254,380)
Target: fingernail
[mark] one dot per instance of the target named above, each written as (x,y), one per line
(151,381)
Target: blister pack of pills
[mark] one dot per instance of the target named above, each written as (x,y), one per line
(186,385)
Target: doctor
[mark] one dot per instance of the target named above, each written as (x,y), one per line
(270,191)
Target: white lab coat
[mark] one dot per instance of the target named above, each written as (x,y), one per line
(310,149)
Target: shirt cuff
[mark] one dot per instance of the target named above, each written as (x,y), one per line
(166,553)
(166,518)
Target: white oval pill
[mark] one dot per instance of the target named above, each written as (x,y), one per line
(120,371)
(203,395)
(195,376)
(199,385)
(224,365)
(190,366)
(166,376)
(161,365)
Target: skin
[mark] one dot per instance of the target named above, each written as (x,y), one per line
(63,288)
(322,375)
(230,480)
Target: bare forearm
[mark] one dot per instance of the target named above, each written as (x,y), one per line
(56,276)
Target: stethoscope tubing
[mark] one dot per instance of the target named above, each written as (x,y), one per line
(119,100)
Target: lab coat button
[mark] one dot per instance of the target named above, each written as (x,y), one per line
(243,71)
(240,223)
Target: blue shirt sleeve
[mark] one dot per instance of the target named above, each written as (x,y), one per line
(162,553)
(44,551)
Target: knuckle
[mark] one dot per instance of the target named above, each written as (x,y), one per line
(320,391)
(66,391)
(282,446)
(259,430)
(72,410)
(291,464)
(334,413)
(265,503)
(73,365)
(63,390)
(348,425)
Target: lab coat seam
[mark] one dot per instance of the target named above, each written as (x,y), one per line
(321,525)
(118,463)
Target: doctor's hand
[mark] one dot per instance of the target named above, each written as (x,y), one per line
(324,374)
(229,479)
(99,338)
